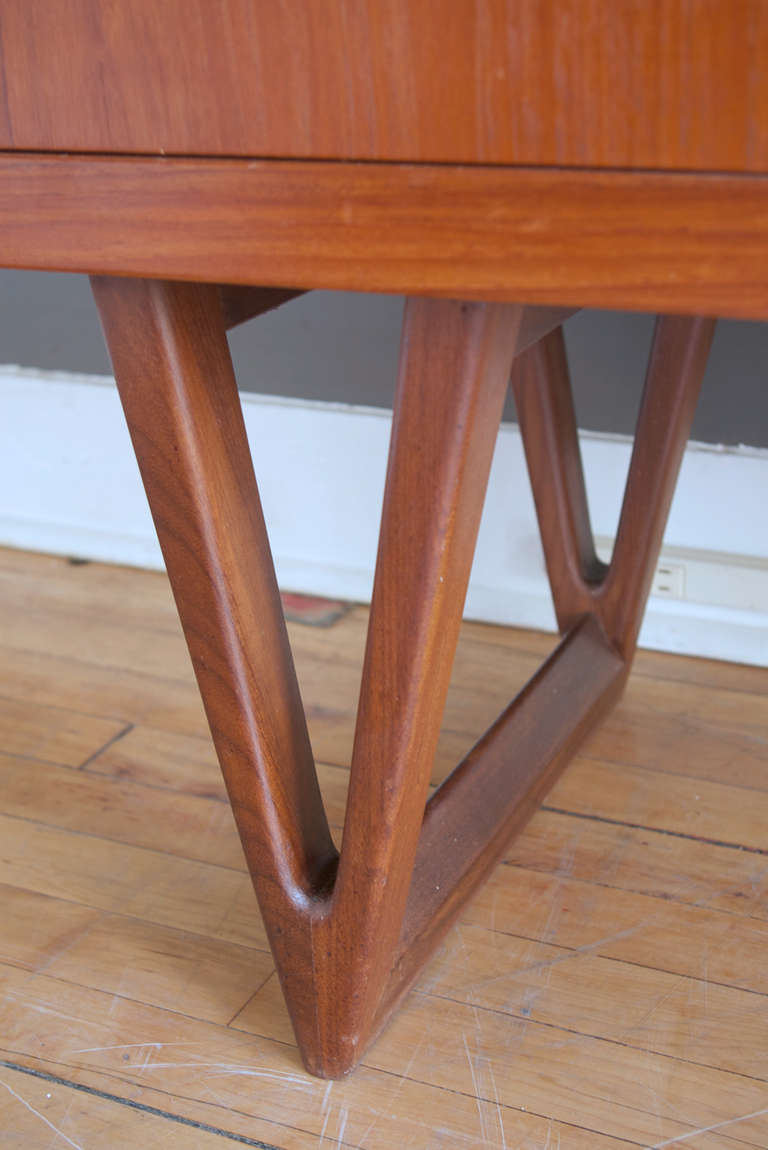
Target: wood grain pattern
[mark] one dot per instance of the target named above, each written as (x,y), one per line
(350,932)
(454,366)
(671,243)
(608,954)
(193,455)
(676,84)
(333,950)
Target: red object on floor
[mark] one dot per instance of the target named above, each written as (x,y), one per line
(311,610)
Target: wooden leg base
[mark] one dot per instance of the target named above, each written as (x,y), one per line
(350,931)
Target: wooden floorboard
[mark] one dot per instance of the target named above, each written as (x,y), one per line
(606,988)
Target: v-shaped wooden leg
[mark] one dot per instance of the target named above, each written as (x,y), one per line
(580,583)
(350,933)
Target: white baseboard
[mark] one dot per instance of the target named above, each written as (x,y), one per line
(69,485)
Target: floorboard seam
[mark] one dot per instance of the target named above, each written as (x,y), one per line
(655,830)
(143,1107)
(109,743)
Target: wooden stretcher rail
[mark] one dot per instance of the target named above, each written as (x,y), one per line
(580,238)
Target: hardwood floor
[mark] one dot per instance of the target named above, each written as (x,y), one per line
(608,987)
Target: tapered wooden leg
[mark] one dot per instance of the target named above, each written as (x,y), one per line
(350,933)
(177,387)
(454,368)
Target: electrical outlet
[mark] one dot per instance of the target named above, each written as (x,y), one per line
(669,581)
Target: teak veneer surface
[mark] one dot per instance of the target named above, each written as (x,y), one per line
(606,988)
(666,84)
(649,241)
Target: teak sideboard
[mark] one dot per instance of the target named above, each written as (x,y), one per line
(500,164)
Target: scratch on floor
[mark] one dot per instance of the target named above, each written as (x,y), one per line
(227,1068)
(754,880)
(566,956)
(706,980)
(476,1088)
(75,937)
(657,1071)
(42,1117)
(707,1129)
(637,1027)
(405,1076)
(585,949)
(498,1104)
(39,1009)
(326,1119)
(369,1128)
(342,1126)
(129,1046)
(493,908)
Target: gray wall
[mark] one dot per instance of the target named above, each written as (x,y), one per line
(334,346)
